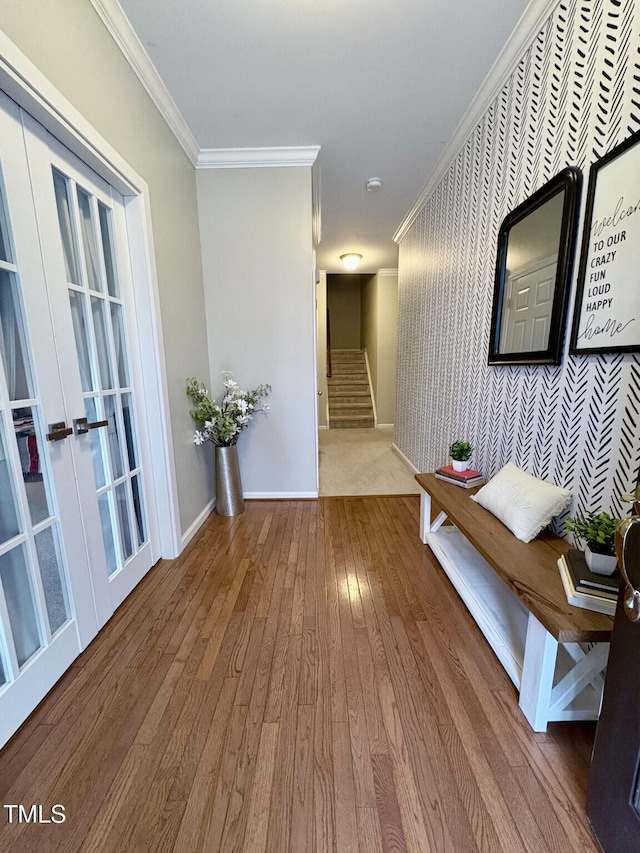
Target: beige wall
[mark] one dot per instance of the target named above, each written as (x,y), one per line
(321,338)
(379,321)
(387,338)
(68,43)
(343,297)
(369,329)
(258,264)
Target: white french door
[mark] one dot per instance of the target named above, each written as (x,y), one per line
(86,260)
(74,529)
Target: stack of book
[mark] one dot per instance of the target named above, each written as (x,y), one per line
(467,479)
(586,589)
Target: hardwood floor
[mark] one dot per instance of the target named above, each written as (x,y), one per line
(303,678)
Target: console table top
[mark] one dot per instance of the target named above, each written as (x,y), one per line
(530,569)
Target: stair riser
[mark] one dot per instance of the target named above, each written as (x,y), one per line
(352,423)
(340,374)
(346,378)
(364,408)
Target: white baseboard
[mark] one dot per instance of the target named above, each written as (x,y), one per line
(193,528)
(191,531)
(385,426)
(404,459)
(323,426)
(279,496)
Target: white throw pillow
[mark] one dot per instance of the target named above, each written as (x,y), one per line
(523,503)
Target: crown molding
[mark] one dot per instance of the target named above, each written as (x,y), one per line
(526,30)
(117,23)
(31,90)
(252,158)
(388,271)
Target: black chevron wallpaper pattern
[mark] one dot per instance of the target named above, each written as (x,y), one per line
(573,96)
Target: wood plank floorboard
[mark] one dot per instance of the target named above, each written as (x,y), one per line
(302,678)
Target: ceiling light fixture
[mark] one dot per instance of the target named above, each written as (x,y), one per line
(374,184)
(351,260)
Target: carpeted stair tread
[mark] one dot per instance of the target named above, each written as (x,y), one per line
(350,405)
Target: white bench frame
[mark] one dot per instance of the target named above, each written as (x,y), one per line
(556,681)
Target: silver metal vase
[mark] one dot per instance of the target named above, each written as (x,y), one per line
(229,499)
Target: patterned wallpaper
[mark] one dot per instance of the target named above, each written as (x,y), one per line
(574,95)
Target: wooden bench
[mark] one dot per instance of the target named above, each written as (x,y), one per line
(554,653)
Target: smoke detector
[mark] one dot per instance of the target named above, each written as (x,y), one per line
(374,184)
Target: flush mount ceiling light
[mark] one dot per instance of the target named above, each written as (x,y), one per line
(351,260)
(374,184)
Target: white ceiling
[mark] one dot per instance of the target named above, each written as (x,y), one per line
(380,85)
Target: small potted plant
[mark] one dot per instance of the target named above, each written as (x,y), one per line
(460,453)
(597,530)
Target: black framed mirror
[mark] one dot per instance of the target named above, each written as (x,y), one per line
(536,248)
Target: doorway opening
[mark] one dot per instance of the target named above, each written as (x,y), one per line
(356,376)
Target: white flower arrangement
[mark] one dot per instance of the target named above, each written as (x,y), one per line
(222,423)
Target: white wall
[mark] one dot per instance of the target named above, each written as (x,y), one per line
(68,43)
(258,268)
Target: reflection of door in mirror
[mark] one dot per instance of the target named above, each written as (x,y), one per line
(528,304)
(531,266)
(533,270)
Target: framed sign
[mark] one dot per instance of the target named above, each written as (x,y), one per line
(607,312)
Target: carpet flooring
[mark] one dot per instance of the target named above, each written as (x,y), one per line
(362,462)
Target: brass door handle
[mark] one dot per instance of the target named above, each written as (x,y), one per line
(58,431)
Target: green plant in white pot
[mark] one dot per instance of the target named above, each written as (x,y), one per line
(597,530)
(460,453)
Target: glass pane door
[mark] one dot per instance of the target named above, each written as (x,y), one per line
(40,589)
(97,313)
(74,530)
(88,273)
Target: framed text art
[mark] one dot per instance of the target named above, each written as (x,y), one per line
(607,312)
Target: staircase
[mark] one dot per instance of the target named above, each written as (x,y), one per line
(350,405)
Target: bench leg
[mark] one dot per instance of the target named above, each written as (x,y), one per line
(426,525)
(425,515)
(587,670)
(540,653)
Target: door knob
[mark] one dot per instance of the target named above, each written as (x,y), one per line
(632,595)
(58,431)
